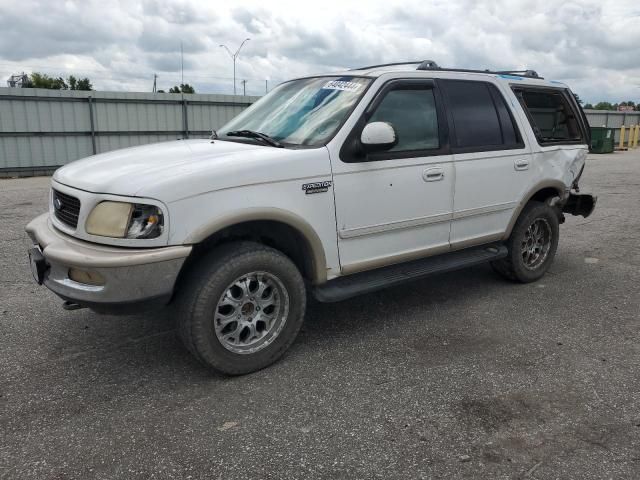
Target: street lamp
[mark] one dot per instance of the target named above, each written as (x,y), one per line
(234,56)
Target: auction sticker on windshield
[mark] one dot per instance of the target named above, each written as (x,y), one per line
(342,85)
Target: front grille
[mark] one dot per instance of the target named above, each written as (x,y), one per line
(66,208)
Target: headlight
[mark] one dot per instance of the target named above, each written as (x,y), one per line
(125,220)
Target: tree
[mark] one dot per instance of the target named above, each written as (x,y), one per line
(183,88)
(614,106)
(578,99)
(588,106)
(604,106)
(42,80)
(79,83)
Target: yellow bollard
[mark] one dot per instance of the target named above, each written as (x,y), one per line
(621,146)
(635,136)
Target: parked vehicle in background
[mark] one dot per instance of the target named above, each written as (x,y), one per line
(336,184)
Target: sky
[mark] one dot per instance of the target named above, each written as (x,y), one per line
(594,46)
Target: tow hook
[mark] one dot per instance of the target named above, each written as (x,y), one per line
(68,305)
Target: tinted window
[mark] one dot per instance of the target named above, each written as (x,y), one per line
(481,118)
(412,112)
(551,116)
(510,134)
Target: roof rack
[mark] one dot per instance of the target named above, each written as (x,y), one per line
(387,65)
(431,65)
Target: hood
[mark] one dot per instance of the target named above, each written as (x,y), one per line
(170,171)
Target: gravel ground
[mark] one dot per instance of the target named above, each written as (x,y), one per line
(459,376)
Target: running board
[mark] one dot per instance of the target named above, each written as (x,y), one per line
(366,282)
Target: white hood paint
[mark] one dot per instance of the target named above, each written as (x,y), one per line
(170,171)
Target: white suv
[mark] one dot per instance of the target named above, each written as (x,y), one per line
(335,184)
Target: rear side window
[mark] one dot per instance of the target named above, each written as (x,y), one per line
(412,112)
(480,117)
(551,116)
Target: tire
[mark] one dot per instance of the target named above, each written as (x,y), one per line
(257,320)
(531,250)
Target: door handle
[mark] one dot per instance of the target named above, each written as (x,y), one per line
(433,174)
(521,164)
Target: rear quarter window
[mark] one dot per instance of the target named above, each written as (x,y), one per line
(552,117)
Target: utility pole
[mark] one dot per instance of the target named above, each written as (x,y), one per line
(244,88)
(181,68)
(155,77)
(234,57)
(266,86)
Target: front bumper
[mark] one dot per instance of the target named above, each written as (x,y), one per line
(131,277)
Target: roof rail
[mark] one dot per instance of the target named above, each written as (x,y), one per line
(521,73)
(387,65)
(431,65)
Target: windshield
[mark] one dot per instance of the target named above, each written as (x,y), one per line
(301,112)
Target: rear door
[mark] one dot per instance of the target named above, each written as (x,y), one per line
(492,163)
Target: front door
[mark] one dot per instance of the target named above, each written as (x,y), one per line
(395,205)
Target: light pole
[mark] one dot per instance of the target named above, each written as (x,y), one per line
(234,56)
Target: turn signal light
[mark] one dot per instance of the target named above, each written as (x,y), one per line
(86,277)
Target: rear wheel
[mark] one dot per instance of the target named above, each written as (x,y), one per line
(532,244)
(241,308)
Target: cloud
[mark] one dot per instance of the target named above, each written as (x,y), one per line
(590,44)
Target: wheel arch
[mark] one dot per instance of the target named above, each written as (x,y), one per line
(274,227)
(541,192)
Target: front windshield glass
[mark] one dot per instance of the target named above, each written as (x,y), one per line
(301,112)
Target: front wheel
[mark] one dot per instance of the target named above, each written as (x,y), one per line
(241,308)
(532,244)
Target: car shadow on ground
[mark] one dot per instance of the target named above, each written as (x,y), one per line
(111,344)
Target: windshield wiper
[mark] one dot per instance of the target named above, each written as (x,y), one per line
(252,134)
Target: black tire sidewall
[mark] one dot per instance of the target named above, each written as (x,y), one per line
(532,212)
(209,284)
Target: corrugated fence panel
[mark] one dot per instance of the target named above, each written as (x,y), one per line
(43,129)
(612,119)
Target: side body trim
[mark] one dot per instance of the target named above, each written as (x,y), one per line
(472,212)
(427,220)
(386,227)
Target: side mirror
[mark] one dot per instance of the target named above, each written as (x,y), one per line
(378,136)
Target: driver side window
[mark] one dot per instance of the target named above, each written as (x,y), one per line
(412,112)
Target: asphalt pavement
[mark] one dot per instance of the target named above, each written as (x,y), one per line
(464,375)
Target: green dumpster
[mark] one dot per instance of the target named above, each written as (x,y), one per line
(602,139)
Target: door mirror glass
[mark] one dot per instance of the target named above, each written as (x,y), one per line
(378,136)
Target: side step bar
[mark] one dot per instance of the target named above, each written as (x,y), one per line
(366,282)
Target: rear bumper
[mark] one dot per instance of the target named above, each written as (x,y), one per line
(130,278)
(580,204)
